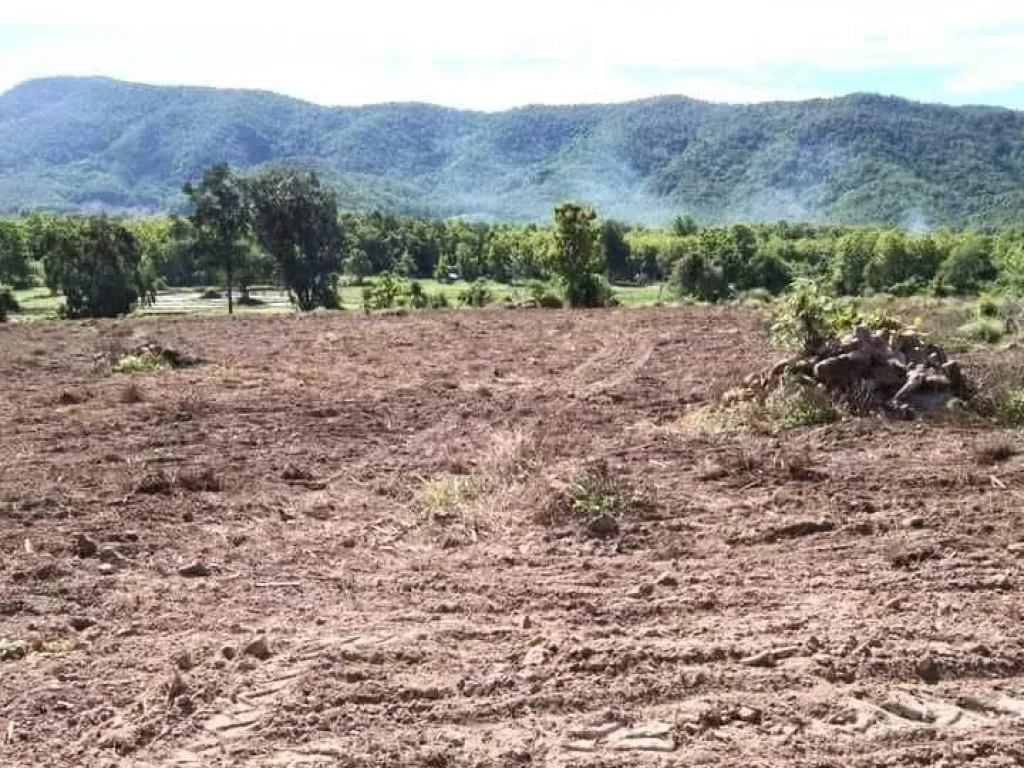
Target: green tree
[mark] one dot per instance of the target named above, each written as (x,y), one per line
(220,221)
(969,265)
(96,263)
(683,226)
(576,258)
(15,265)
(616,251)
(295,219)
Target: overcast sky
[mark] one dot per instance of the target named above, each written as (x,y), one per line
(496,55)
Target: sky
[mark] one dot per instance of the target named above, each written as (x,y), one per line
(492,56)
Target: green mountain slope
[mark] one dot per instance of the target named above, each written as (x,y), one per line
(73,143)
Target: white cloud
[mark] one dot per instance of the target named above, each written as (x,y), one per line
(457,52)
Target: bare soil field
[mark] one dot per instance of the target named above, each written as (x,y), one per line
(345,540)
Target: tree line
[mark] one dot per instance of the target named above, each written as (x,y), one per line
(283,226)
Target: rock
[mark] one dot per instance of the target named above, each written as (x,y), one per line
(890,375)
(762,659)
(654,730)
(228,652)
(643,745)
(749,715)
(106,569)
(535,656)
(667,579)
(194,570)
(594,732)
(641,591)
(258,648)
(928,669)
(580,746)
(916,522)
(109,554)
(85,547)
(844,369)
(184,661)
(80,623)
(603,527)
(1016,549)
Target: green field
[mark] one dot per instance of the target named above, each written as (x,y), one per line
(41,304)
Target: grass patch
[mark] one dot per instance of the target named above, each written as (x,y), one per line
(147,362)
(983,330)
(793,406)
(593,491)
(442,496)
(994,450)
(1009,407)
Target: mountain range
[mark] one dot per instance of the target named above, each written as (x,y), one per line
(95,143)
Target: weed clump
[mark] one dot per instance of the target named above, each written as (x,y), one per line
(984,330)
(593,492)
(147,362)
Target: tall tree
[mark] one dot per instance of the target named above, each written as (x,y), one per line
(15,267)
(96,263)
(576,257)
(220,221)
(296,220)
(616,250)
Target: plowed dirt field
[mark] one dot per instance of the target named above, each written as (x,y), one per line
(337,541)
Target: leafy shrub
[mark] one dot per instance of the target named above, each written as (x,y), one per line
(985,330)
(1010,407)
(754,296)
(806,317)
(793,405)
(437,300)
(542,295)
(8,303)
(211,294)
(383,293)
(416,296)
(476,294)
(987,306)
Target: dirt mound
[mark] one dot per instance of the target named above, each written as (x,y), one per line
(894,371)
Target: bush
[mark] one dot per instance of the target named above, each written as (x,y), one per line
(794,405)
(96,262)
(985,330)
(416,296)
(8,303)
(807,316)
(987,306)
(383,293)
(211,294)
(1010,407)
(437,300)
(476,294)
(542,295)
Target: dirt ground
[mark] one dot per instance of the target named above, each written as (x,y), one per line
(332,543)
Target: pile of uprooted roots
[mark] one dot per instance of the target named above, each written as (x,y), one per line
(896,372)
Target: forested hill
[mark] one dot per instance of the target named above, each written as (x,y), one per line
(68,143)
